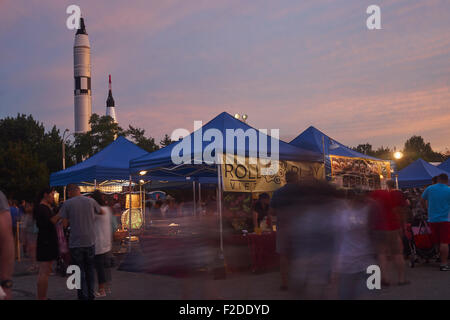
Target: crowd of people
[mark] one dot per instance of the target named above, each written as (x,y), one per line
(326,238)
(89,223)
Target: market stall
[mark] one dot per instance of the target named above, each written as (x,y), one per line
(418,174)
(108,171)
(240,175)
(345,167)
(445,165)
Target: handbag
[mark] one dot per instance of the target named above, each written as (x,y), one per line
(62,241)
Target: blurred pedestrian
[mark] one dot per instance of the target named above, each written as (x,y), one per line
(103,245)
(436,198)
(315,233)
(47,240)
(15,215)
(30,233)
(356,249)
(387,226)
(155,211)
(281,205)
(79,212)
(6,250)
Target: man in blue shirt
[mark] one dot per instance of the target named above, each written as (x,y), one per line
(436,198)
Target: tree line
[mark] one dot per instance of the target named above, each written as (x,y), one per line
(29,153)
(413,149)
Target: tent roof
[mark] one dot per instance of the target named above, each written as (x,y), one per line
(111,163)
(311,139)
(222,122)
(445,165)
(418,174)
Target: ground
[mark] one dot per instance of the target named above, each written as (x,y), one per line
(427,282)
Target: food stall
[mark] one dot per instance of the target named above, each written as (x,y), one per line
(159,166)
(344,167)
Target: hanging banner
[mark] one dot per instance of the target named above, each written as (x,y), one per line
(358,173)
(239,174)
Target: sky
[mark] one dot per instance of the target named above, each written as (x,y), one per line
(287,64)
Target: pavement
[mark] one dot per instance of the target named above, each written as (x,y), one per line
(427,282)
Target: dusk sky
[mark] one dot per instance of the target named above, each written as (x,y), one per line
(287,64)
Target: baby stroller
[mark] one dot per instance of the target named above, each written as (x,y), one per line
(420,241)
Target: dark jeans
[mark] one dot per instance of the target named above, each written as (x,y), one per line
(84,258)
(103,265)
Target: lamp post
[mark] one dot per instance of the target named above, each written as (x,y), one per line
(64,139)
(397,155)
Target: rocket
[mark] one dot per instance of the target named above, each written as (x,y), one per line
(110,106)
(82,74)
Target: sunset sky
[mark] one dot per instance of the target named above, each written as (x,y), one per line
(287,64)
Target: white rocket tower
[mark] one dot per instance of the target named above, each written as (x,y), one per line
(82,74)
(110,106)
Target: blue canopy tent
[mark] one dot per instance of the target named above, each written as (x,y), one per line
(445,165)
(111,163)
(159,165)
(418,174)
(315,140)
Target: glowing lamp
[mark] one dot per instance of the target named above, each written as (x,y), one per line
(137,219)
(398,155)
(143,173)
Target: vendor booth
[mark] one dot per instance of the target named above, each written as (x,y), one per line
(111,163)
(418,174)
(445,165)
(345,167)
(240,171)
(108,171)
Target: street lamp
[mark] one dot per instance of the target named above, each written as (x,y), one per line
(398,155)
(64,139)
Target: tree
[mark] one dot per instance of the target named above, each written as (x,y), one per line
(30,138)
(165,141)
(364,149)
(415,148)
(138,135)
(103,132)
(22,129)
(383,153)
(22,175)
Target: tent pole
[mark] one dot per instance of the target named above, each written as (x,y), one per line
(200,196)
(324,162)
(143,197)
(129,218)
(195,200)
(219,180)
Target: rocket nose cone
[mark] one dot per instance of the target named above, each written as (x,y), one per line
(82,29)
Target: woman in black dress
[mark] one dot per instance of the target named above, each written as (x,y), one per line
(47,240)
